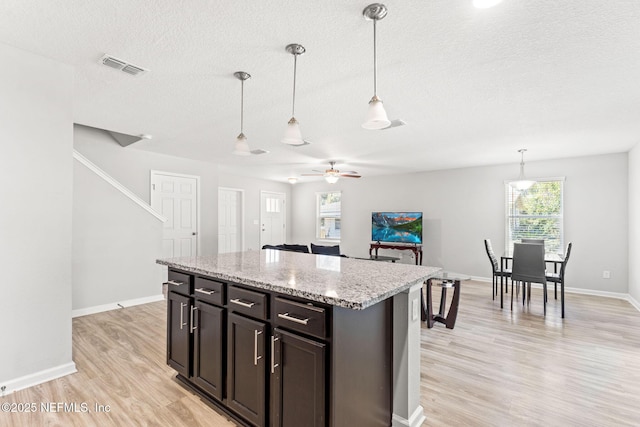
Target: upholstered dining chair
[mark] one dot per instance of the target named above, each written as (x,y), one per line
(528,267)
(534,241)
(497,271)
(558,278)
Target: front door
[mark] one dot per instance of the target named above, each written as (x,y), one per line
(272,218)
(176,197)
(230,219)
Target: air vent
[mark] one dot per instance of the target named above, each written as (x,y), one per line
(121,65)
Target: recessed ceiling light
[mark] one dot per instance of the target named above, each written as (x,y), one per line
(485,4)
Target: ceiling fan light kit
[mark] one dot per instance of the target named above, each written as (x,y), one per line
(376,115)
(241,146)
(332,175)
(522,184)
(293,135)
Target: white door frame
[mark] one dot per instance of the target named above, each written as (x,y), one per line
(284,213)
(241,191)
(153,173)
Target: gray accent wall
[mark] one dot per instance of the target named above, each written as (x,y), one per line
(35,219)
(464,206)
(115,245)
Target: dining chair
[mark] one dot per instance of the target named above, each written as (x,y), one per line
(497,271)
(528,267)
(558,278)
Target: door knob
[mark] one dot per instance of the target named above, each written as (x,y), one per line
(194,233)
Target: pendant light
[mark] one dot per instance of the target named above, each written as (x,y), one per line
(292,135)
(376,116)
(241,147)
(522,183)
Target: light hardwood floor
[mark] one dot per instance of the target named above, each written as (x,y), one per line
(496,368)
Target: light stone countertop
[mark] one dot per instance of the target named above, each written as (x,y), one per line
(343,282)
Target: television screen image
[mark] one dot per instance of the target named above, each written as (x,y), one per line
(396,227)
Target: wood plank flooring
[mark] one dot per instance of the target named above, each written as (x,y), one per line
(496,368)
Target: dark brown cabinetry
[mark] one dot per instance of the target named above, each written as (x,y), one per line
(208,346)
(195,331)
(266,358)
(298,383)
(246,372)
(179,338)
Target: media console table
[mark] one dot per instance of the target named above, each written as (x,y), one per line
(416,249)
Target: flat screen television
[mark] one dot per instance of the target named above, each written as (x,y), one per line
(396,227)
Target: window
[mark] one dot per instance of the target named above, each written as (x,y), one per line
(328,215)
(536,213)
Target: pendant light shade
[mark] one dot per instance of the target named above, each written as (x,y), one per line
(293,135)
(376,116)
(522,184)
(241,146)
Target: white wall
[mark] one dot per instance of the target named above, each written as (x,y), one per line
(131,167)
(115,245)
(35,219)
(634,224)
(464,206)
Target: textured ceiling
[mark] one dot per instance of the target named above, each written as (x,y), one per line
(560,78)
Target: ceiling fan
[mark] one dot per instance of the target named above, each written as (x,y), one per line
(332,175)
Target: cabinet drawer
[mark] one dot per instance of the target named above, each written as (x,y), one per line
(248,302)
(301,317)
(179,282)
(209,290)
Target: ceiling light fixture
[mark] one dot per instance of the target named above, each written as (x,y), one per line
(292,180)
(485,4)
(376,116)
(241,147)
(292,135)
(522,183)
(332,178)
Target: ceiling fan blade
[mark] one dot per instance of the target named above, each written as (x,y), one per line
(311,174)
(350,172)
(316,170)
(395,123)
(347,175)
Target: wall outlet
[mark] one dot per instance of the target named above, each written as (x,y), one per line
(606,274)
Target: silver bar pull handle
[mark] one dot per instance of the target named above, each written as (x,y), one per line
(286,316)
(205,291)
(255,347)
(242,303)
(182,306)
(174,283)
(193,325)
(274,365)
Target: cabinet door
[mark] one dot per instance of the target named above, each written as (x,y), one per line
(298,381)
(179,339)
(246,373)
(208,348)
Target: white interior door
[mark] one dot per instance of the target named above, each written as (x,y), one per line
(177,198)
(230,220)
(272,218)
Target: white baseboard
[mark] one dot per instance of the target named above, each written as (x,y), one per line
(38,378)
(116,305)
(415,420)
(606,294)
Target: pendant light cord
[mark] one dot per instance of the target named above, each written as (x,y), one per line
(375,62)
(241,106)
(295,66)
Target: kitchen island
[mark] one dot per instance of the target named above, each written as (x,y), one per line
(290,339)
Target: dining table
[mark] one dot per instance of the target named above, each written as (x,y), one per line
(549,258)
